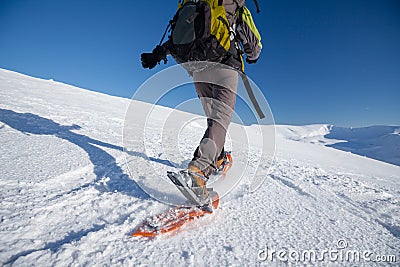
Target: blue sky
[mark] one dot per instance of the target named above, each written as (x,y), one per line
(330,61)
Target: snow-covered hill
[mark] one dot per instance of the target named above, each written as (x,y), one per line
(378,142)
(67,197)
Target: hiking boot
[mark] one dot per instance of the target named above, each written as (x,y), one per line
(197,183)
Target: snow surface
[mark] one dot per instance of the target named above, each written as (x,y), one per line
(67,197)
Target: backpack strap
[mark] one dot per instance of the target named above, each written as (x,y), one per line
(257,6)
(168,29)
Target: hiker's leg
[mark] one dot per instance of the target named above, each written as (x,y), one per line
(218,106)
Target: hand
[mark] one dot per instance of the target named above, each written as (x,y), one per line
(251,61)
(159,53)
(149,60)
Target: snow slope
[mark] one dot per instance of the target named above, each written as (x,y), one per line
(67,197)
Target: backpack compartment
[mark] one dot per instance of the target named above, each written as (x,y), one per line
(201,32)
(184,29)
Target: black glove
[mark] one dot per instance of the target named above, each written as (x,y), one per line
(250,61)
(150,60)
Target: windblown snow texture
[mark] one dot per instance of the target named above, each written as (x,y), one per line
(67,198)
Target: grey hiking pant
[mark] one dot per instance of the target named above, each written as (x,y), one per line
(216,89)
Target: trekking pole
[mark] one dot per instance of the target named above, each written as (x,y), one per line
(251,95)
(257,6)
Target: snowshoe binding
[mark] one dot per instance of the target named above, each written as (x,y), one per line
(192,184)
(224,164)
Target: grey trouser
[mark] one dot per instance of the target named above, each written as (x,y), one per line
(216,89)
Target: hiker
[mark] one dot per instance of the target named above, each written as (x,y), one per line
(216,86)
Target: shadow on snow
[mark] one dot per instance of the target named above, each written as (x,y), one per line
(104,164)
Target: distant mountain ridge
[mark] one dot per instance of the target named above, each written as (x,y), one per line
(377,142)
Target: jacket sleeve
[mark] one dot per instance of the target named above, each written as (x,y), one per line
(167,46)
(249,35)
